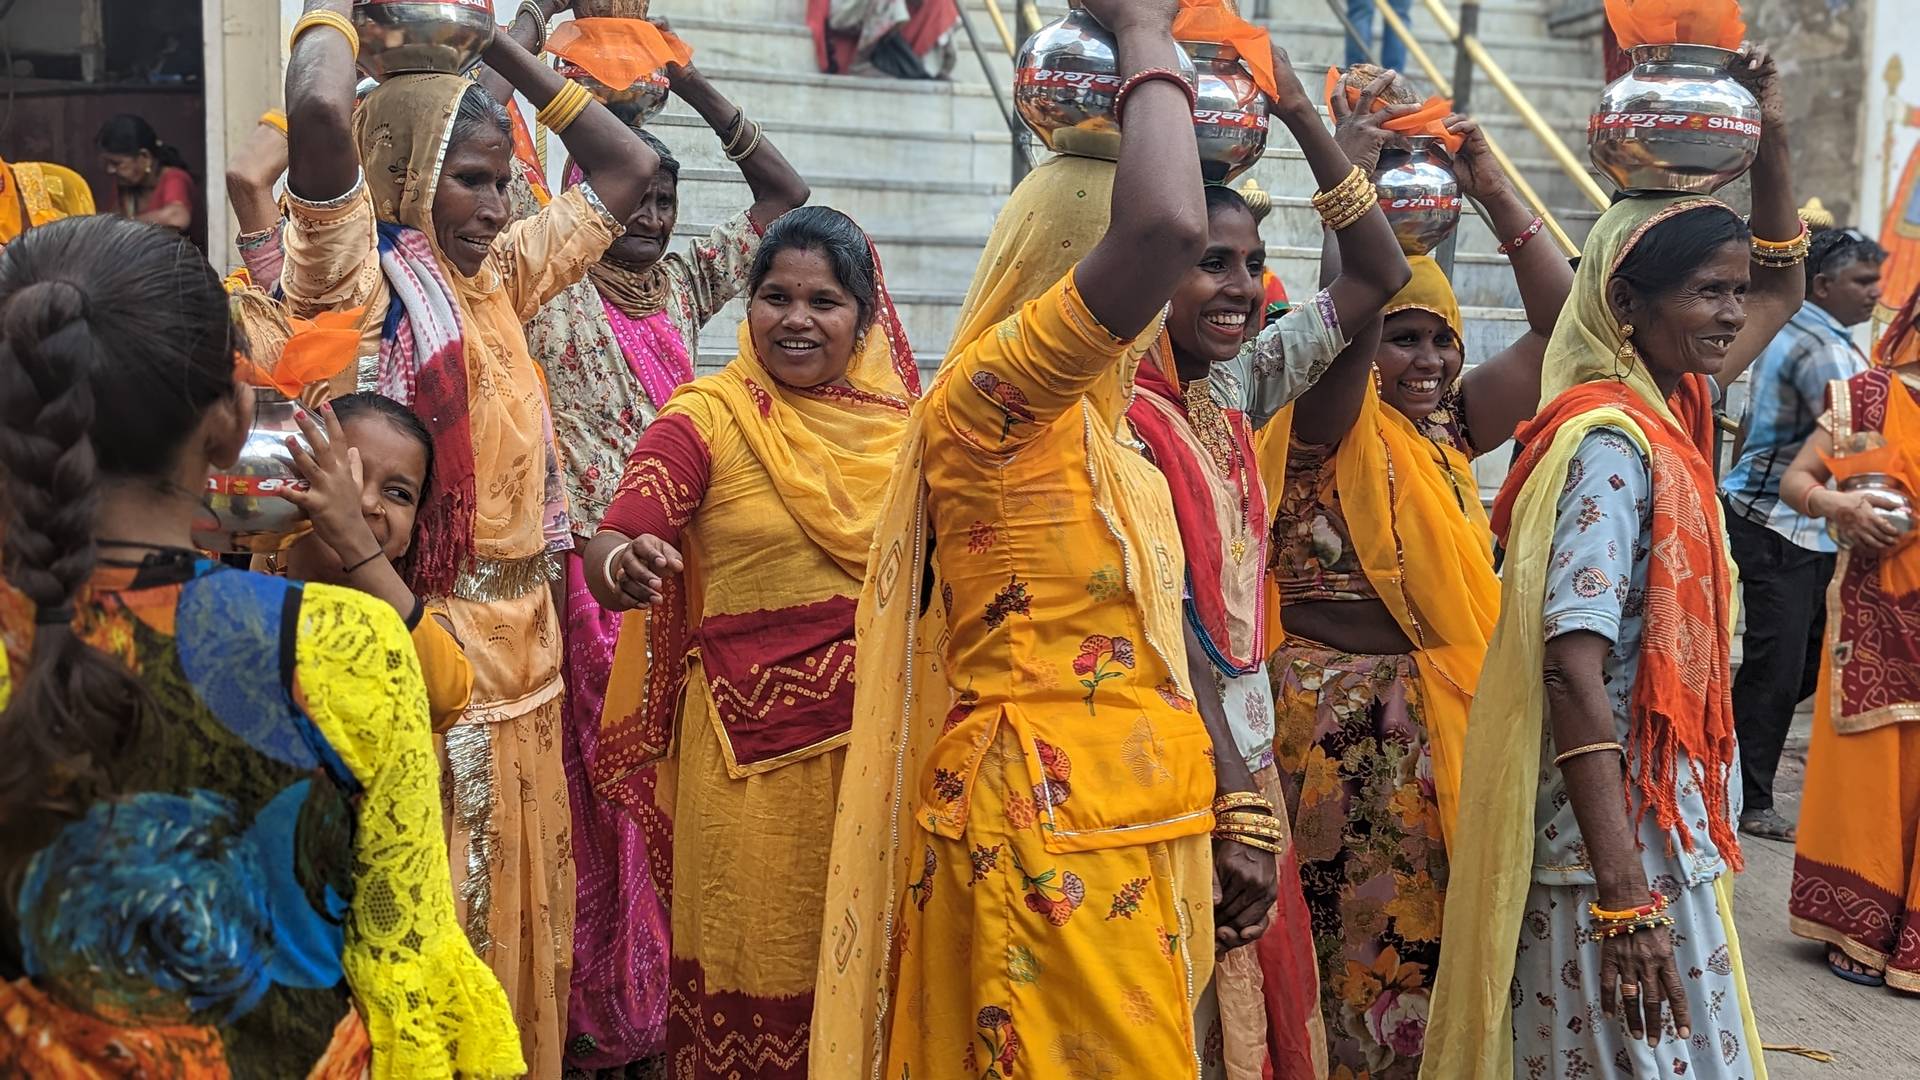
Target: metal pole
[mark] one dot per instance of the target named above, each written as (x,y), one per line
(1463,63)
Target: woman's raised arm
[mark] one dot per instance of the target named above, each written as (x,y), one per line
(621,165)
(322,161)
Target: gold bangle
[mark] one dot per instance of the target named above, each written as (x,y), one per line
(1255,842)
(1242,800)
(1590,748)
(1248,818)
(1322,198)
(1274,834)
(566,107)
(275,119)
(326,18)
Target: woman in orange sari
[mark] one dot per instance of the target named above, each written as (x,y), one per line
(739,682)
(1856,872)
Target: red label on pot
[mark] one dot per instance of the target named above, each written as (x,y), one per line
(477,5)
(1050,79)
(1419,204)
(1230,118)
(261,487)
(1674,121)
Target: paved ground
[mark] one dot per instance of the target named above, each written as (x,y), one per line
(1871,1033)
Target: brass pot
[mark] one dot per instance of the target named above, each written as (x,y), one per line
(404,37)
(647,96)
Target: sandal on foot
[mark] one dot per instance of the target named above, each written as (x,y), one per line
(1768,825)
(1843,965)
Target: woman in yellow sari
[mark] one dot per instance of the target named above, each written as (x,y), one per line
(399,207)
(768,476)
(1587,927)
(1383,572)
(37,192)
(1021,862)
(1856,870)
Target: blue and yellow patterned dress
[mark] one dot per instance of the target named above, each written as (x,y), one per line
(267,894)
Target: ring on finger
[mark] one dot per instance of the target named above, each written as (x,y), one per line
(1629,990)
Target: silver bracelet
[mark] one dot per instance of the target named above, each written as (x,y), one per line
(538,13)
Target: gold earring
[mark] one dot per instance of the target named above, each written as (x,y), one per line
(1625,356)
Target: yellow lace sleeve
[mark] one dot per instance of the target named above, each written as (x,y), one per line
(431,1007)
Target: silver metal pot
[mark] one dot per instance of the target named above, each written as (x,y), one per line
(648,94)
(1894,501)
(402,37)
(1678,121)
(243,510)
(1231,118)
(1064,83)
(1419,194)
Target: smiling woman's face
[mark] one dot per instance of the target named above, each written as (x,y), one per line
(1689,329)
(650,228)
(804,322)
(470,203)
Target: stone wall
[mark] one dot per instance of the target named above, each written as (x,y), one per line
(1822,47)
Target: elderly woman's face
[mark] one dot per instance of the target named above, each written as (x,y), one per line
(1690,329)
(470,203)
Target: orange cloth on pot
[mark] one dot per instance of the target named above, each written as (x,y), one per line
(1213,20)
(1429,119)
(617,51)
(1666,22)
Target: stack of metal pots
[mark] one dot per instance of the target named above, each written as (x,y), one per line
(403,37)
(1066,78)
(1677,122)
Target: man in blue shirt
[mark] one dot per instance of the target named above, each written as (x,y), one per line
(1786,559)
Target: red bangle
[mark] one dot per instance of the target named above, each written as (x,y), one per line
(1520,241)
(1148,75)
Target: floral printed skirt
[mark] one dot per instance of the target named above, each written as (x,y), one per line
(1559,1029)
(1018,962)
(1352,749)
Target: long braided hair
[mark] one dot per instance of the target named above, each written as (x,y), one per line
(115,339)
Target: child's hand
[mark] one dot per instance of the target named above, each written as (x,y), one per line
(332,497)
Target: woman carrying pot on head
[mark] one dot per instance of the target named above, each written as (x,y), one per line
(1860,808)
(400,206)
(1201,400)
(1383,570)
(221,810)
(1050,890)
(1588,916)
(614,348)
(742,526)
(152,182)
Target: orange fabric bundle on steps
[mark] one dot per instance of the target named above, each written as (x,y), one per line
(1429,119)
(1666,22)
(617,51)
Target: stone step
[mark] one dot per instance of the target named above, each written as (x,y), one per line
(911,154)
(787,46)
(879,203)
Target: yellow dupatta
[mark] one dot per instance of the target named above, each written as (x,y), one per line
(1413,511)
(37,192)
(1052,220)
(1469,1029)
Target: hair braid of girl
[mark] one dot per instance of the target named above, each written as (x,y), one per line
(74,708)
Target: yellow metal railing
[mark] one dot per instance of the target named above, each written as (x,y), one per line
(1574,168)
(1000,25)
(1445,87)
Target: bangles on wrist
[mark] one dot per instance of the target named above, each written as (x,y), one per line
(541,29)
(1514,245)
(1612,923)
(566,107)
(1781,254)
(1344,204)
(1147,75)
(330,19)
